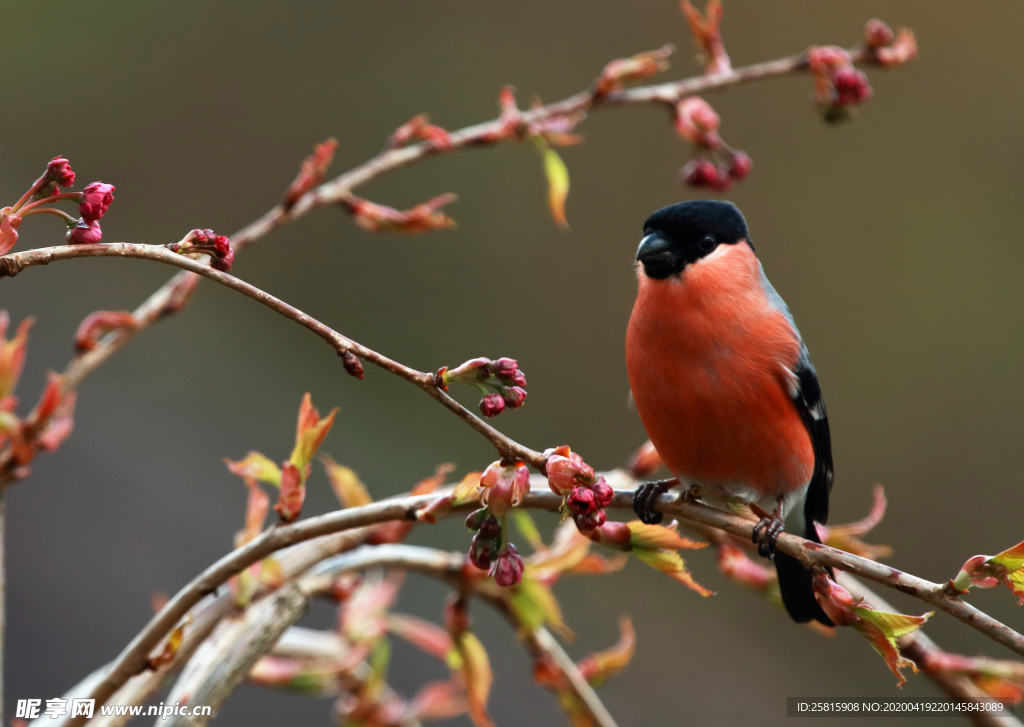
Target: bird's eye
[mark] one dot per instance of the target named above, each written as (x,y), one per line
(707,243)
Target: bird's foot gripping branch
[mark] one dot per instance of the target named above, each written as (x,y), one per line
(355,555)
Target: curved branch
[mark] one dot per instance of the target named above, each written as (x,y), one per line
(133,659)
(13,263)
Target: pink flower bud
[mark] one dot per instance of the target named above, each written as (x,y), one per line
(476,518)
(901,51)
(877,33)
(851,86)
(507,570)
(587,523)
(95,200)
(9,231)
(699,173)
(353,366)
(505,368)
(613,535)
(492,405)
(515,396)
(490,527)
(223,263)
(565,470)
(697,122)
(581,501)
(740,165)
(480,551)
(645,461)
(603,492)
(491,475)
(293,493)
(822,60)
(505,486)
(59,171)
(84,233)
(519,378)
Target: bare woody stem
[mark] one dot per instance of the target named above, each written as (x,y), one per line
(14,263)
(133,659)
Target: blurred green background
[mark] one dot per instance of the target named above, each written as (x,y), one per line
(894,240)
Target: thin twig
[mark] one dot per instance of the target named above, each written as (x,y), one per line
(14,263)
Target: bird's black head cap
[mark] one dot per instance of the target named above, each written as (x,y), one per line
(683,233)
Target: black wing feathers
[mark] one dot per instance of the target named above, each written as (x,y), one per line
(812,410)
(794,579)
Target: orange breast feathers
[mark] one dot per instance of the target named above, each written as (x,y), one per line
(710,361)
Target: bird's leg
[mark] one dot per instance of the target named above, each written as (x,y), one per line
(646,496)
(766,532)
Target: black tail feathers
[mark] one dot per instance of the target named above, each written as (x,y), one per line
(795,585)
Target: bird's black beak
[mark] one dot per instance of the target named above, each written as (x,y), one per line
(657,256)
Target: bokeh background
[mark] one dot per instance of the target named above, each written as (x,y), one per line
(895,240)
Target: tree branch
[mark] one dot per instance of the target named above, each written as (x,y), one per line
(13,263)
(918,647)
(133,659)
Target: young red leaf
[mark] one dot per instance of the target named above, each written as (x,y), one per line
(312,172)
(671,564)
(99,324)
(256,467)
(309,433)
(654,537)
(425,635)
(293,493)
(598,668)
(12,354)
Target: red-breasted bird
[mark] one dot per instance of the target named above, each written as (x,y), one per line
(724,385)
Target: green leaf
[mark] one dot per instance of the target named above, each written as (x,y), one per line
(558,182)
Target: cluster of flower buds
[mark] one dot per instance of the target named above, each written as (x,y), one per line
(887,48)
(425,217)
(838,85)
(706,30)
(93,203)
(419,127)
(501,383)
(311,173)
(490,551)
(206,242)
(586,495)
(714,164)
(636,68)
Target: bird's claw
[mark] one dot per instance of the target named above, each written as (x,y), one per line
(766,535)
(646,497)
